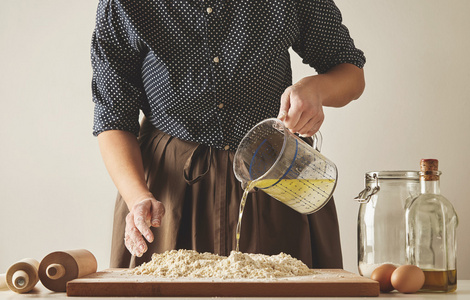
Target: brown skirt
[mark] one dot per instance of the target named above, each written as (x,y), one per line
(201,196)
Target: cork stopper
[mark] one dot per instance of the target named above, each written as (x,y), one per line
(429,169)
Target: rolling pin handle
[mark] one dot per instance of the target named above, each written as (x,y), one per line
(3,282)
(55,271)
(20,279)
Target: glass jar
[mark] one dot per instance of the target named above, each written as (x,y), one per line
(431,227)
(381,219)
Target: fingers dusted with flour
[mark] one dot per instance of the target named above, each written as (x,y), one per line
(145,214)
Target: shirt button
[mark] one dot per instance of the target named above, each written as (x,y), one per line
(221,105)
(209,10)
(227,147)
(216,59)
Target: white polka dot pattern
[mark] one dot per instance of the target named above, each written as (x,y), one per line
(207,71)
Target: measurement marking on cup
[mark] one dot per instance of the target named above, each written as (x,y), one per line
(284,166)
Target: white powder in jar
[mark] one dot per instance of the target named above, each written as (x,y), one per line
(190,263)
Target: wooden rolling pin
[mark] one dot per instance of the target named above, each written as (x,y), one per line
(57,268)
(22,276)
(3,282)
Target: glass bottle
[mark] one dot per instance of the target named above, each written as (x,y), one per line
(381,218)
(431,224)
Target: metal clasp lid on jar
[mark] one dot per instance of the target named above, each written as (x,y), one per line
(372,178)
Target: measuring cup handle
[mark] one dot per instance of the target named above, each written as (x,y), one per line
(317,141)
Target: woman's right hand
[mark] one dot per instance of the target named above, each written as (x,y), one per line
(145,213)
(123,159)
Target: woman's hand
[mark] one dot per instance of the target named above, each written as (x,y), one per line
(122,157)
(302,103)
(145,213)
(302,108)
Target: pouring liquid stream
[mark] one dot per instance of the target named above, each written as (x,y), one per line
(301,194)
(249,186)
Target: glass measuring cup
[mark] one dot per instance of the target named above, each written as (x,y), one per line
(282,165)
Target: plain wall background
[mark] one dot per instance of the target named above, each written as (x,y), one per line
(55,193)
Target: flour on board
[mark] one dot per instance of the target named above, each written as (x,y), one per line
(189,263)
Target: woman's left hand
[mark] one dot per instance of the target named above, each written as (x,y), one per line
(302,108)
(302,103)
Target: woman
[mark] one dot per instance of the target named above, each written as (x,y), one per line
(203,73)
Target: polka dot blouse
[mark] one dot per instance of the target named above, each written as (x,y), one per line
(207,70)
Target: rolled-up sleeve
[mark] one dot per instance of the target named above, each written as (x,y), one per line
(323,41)
(116,84)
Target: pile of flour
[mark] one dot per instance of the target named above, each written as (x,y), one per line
(189,263)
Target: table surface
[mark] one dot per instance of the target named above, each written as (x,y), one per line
(462,293)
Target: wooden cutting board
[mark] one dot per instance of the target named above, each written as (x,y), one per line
(326,283)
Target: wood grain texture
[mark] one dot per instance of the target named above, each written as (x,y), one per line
(30,268)
(327,283)
(76,263)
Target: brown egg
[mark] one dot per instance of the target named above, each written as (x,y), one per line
(383,274)
(407,279)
